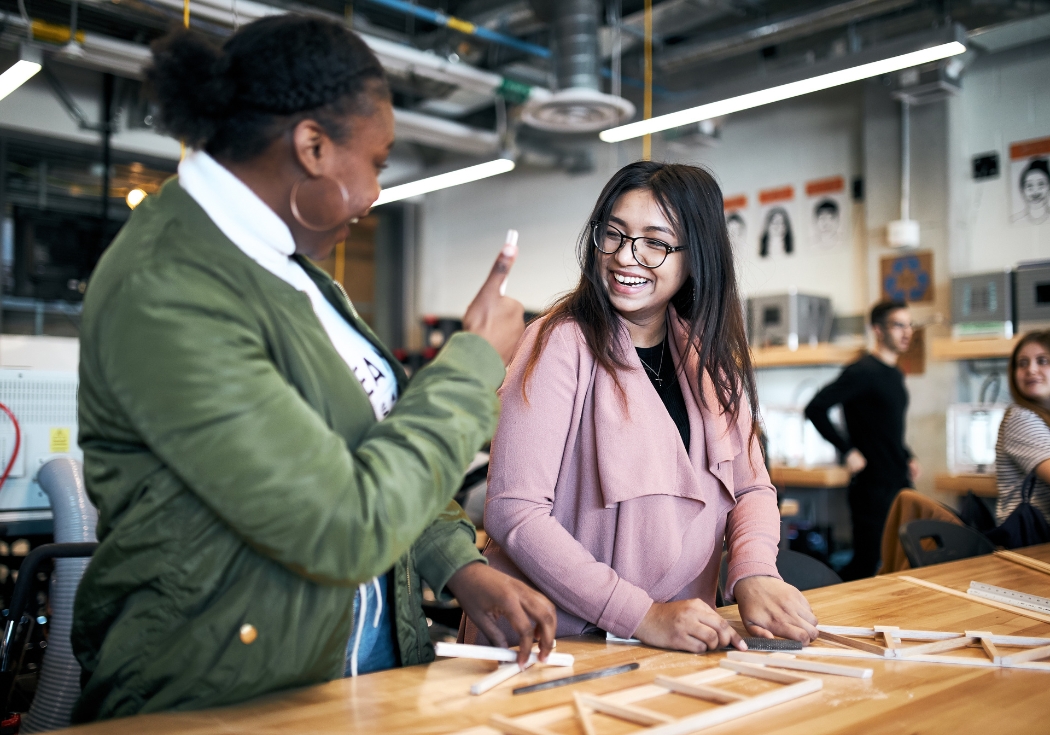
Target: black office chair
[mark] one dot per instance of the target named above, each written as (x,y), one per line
(949,542)
(799,570)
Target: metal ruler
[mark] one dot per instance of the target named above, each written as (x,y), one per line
(1010,597)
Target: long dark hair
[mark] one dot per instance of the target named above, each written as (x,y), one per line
(1039,337)
(789,239)
(708,301)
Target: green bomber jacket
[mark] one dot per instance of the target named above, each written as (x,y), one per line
(242,479)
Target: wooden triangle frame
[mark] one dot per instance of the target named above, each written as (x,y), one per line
(933,646)
(624,705)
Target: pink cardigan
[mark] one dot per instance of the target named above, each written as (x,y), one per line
(602,508)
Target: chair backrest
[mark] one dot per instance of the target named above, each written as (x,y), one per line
(804,572)
(799,570)
(936,542)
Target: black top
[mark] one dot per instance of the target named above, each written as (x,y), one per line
(666,384)
(874,402)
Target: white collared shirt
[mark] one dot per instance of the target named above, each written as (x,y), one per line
(265,238)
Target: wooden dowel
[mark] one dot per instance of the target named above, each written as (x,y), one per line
(710,694)
(1026,561)
(637,715)
(850,643)
(784,661)
(491,653)
(500,675)
(979,600)
(510,727)
(583,712)
(1032,654)
(761,672)
(728,712)
(936,647)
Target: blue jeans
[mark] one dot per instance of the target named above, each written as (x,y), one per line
(375,652)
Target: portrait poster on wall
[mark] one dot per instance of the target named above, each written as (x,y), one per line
(908,277)
(737,222)
(826,205)
(1030,182)
(777,235)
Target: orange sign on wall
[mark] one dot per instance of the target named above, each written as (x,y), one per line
(779,194)
(830,185)
(1029,148)
(735,202)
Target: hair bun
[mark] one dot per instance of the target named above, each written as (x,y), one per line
(187,82)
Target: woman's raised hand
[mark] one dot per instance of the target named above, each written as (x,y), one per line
(497,318)
(770,607)
(686,625)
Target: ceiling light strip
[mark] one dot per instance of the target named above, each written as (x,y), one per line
(781,92)
(444,181)
(19,73)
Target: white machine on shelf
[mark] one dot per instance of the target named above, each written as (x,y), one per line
(45,405)
(793,440)
(973,429)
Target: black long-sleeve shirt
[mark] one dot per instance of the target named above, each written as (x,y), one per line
(874,402)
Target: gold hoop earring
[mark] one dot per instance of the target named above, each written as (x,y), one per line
(320,200)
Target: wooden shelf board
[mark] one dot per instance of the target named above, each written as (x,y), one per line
(822,354)
(823,476)
(947,348)
(982,485)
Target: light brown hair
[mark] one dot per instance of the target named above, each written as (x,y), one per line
(1041,337)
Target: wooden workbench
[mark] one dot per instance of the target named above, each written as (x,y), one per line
(902,697)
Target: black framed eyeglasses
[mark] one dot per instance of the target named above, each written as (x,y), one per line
(648,252)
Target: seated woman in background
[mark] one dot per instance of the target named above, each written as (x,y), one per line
(1024,435)
(626,450)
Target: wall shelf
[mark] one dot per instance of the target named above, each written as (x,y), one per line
(947,348)
(822,476)
(982,485)
(821,354)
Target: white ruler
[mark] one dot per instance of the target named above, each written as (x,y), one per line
(1010,597)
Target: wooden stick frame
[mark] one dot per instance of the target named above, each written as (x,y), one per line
(931,647)
(624,705)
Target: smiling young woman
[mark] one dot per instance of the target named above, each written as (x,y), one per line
(626,452)
(1023,447)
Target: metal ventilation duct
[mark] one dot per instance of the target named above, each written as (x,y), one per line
(576,44)
(579,105)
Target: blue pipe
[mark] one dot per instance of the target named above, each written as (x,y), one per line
(447,21)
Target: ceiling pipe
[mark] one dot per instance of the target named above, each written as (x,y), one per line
(438,18)
(576,41)
(778,31)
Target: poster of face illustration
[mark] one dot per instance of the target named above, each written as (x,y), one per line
(826,206)
(777,237)
(1030,182)
(737,218)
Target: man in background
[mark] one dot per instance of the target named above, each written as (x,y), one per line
(874,402)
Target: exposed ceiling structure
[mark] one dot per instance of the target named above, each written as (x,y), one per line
(537,78)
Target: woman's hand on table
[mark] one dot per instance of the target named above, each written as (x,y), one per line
(487,595)
(497,318)
(686,625)
(770,607)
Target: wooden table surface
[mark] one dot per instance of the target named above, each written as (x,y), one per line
(901,698)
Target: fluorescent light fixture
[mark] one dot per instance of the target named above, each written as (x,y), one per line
(444,181)
(21,71)
(781,92)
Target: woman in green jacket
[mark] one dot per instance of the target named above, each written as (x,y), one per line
(271,489)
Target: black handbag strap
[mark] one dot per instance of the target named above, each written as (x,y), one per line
(1027,487)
